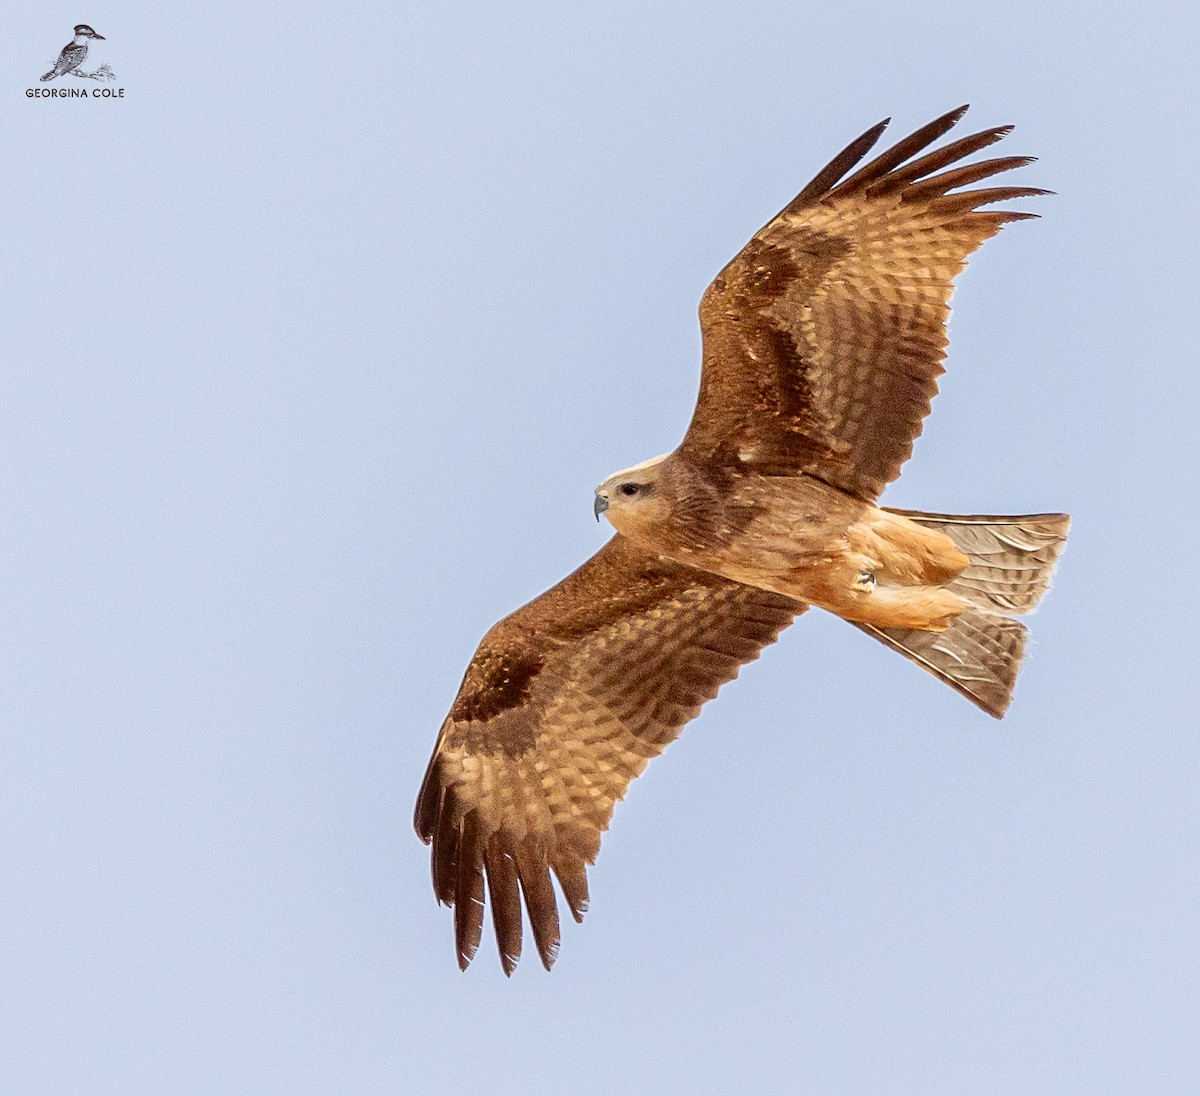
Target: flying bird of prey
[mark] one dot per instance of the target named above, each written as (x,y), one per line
(822,343)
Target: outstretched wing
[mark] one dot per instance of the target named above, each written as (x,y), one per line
(564,703)
(824,337)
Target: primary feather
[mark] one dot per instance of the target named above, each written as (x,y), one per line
(825,336)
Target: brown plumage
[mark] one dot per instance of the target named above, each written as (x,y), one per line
(563,705)
(823,342)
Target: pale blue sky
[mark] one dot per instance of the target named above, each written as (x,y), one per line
(314,348)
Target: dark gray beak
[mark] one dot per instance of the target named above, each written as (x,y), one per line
(599,506)
(100,36)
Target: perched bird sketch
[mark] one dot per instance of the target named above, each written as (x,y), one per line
(74,53)
(822,343)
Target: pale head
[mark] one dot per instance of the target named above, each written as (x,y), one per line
(634,497)
(84,31)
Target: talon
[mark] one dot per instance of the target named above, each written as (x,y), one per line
(864,583)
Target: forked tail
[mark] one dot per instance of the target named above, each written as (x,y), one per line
(1012,559)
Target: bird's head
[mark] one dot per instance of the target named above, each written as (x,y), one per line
(84,31)
(634,497)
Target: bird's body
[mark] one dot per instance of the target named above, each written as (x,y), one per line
(823,342)
(799,537)
(74,53)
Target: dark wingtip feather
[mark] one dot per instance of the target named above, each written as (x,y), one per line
(444,861)
(548,955)
(429,802)
(968,200)
(1001,217)
(940,158)
(901,151)
(833,171)
(468,892)
(505,895)
(936,185)
(540,902)
(896,170)
(572,878)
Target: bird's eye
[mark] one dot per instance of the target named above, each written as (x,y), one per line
(630,489)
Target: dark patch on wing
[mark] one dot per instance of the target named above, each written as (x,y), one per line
(824,337)
(783,387)
(496,682)
(769,390)
(599,674)
(792,389)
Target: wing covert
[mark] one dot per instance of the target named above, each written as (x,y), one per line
(563,705)
(825,336)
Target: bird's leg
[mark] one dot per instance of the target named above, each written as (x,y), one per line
(839,583)
(857,571)
(850,587)
(864,582)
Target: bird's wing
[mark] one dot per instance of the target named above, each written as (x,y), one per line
(564,703)
(824,337)
(70,57)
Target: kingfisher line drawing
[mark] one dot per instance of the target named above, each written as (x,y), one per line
(74,53)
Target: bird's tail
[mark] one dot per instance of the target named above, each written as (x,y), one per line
(1012,559)
(49,75)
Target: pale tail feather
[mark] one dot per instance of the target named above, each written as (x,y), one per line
(1012,559)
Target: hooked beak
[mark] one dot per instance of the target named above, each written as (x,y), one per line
(599,506)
